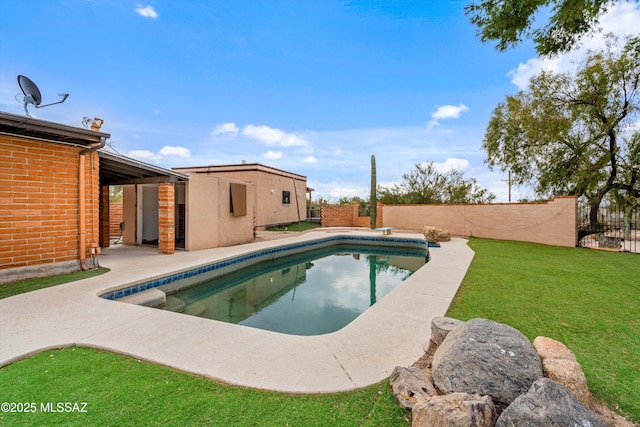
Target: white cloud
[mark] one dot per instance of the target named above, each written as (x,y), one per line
(452,163)
(169,150)
(309,159)
(336,193)
(273,137)
(144,155)
(225,129)
(446,112)
(165,154)
(621,19)
(146,11)
(272,155)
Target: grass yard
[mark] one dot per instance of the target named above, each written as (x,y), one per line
(123,391)
(22,286)
(302,226)
(587,299)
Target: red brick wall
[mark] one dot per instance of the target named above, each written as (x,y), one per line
(337,216)
(348,216)
(115,218)
(166,229)
(39,200)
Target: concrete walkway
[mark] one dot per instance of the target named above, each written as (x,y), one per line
(392,332)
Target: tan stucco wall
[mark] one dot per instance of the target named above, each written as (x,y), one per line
(233,230)
(552,222)
(129,207)
(268,185)
(271,210)
(209,222)
(201,209)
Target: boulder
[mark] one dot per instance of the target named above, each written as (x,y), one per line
(548,403)
(548,348)
(455,410)
(435,234)
(411,386)
(568,373)
(560,364)
(486,358)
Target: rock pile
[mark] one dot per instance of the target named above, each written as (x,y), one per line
(483,373)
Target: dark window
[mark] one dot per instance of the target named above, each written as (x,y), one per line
(286,197)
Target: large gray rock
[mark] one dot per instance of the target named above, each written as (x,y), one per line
(455,410)
(548,403)
(486,358)
(411,386)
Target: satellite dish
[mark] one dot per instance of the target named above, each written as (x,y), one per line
(32,94)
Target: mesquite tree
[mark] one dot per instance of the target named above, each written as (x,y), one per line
(574,134)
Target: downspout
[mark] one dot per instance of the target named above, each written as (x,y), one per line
(82,201)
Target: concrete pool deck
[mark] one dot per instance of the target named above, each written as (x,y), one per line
(392,332)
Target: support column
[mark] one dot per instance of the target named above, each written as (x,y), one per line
(104,227)
(166,220)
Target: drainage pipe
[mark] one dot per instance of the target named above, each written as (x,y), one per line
(82,202)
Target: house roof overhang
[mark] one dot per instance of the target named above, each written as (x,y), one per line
(244,167)
(28,127)
(116,169)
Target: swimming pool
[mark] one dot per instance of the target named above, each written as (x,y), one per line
(153,292)
(310,293)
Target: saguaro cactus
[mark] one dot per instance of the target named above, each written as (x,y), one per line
(373,199)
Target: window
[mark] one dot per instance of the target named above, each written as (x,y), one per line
(286,197)
(238,199)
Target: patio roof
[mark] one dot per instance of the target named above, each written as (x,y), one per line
(116,169)
(29,127)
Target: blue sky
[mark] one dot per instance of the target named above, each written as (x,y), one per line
(313,87)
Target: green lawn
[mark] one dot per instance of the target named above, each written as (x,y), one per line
(123,391)
(587,299)
(21,286)
(302,226)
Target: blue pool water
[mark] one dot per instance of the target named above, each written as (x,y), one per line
(310,293)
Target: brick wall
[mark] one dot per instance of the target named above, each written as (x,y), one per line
(115,218)
(166,209)
(552,222)
(349,216)
(39,221)
(336,216)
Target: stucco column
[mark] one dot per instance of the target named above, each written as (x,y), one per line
(166,220)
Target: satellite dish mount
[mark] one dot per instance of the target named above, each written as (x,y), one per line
(33,96)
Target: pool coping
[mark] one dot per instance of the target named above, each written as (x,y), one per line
(392,332)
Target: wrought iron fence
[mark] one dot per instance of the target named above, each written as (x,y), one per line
(614,228)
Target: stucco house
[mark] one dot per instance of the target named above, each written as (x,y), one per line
(280,195)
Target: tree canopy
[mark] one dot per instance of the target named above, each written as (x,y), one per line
(426,185)
(574,134)
(509,22)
